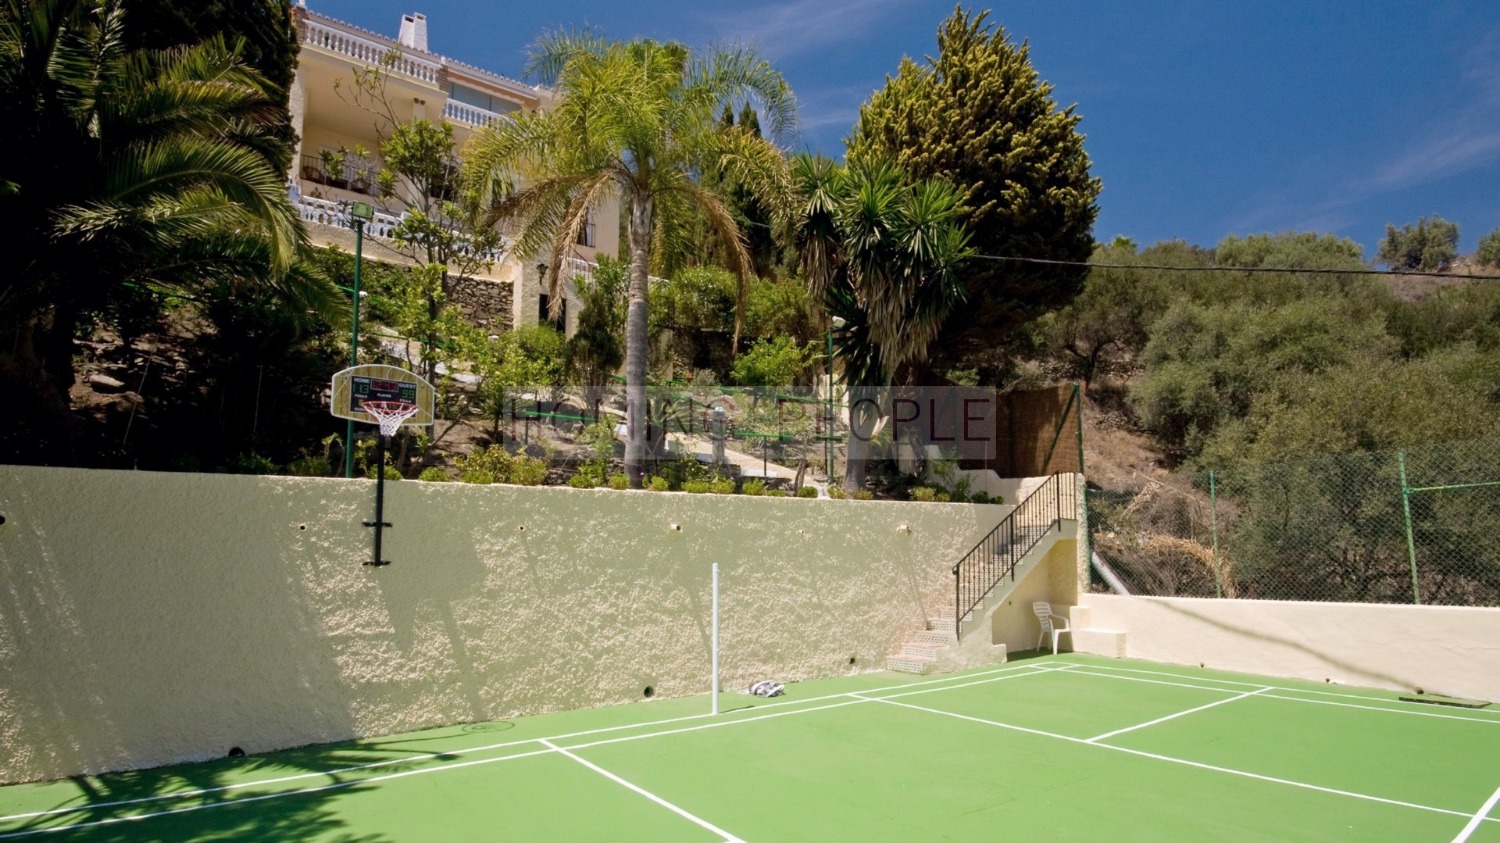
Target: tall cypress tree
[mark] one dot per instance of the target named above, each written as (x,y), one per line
(979,117)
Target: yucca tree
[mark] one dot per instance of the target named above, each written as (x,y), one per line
(635,122)
(121,169)
(881,253)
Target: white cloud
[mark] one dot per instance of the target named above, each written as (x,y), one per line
(1468,141)
(801,26)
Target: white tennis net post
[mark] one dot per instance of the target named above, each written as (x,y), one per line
(714,691)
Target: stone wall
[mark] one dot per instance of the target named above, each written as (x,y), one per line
(150,618)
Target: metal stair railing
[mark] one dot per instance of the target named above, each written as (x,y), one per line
(996,555)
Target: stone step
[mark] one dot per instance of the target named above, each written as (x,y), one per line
(936,636)
(908,664)
(920,651)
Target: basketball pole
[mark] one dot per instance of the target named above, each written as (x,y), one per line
(714,691)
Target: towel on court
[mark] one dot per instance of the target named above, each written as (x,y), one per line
(767,688)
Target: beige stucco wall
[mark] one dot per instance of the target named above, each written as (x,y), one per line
(148,618)
(1053,580)
(1438,649)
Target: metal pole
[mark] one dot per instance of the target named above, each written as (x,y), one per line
(1411,545)
(359,241)
(828,432)
(714,691)
(1213,518)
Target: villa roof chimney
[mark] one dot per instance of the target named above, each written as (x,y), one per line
(414,31)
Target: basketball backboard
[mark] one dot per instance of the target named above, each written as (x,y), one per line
(379,382)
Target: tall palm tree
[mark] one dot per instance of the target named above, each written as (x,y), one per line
(120,166)
(881,254)
(637,121)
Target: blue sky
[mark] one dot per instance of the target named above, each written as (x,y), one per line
(1203,119)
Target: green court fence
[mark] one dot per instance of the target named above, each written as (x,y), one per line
(1420,525)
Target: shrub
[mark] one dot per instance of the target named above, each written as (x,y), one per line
(493,462)
(923,493)
(864,495)
(620,481)
(477,476)
(723,486)
(1489,249)
(695,487)
(656,484)
(776,493)
(309,466)
(985,497)
(582,481)
(943,497)
(391,473)
(433,474)
(251,464)
(837,492)
(754,488)
(807,492)
(528,471)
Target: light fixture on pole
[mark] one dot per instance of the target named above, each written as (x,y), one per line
(835,322)
(360,213)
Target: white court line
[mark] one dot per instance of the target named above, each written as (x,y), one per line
(859,700)
(409,759)
(1480,816)
(1085,671)
(1479,714)
(1183,761)
(729,838)
(996,676)
(1097,738)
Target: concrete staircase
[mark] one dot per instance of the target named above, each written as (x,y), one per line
(922,651)
(937,649)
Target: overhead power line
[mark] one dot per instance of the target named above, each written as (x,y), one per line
(1215,268)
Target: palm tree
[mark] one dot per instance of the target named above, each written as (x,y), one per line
(881,253)
(121,169)
(637,121)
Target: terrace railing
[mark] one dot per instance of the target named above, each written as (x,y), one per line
(469,115)
(369,51)
(996,555)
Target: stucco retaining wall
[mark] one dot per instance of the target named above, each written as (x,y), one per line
(149,618)
(1447,650)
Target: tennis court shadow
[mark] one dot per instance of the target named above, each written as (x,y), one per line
(224,808)
(1376,678)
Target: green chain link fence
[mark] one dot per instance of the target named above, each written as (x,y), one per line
(1414,526)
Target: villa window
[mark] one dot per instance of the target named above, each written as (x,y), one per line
(481,99)
(586,234)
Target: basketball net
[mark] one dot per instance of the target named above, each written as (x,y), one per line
(390,414)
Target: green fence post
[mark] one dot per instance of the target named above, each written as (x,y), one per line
(1411,545)
(1213,519)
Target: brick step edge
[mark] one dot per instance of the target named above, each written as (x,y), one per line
(907,664)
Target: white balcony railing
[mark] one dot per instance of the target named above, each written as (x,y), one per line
(469,115)
(576,268)
(368,51)
(336,213)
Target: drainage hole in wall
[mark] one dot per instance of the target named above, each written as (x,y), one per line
(301,526)
(851,660)
(521,528)
(649,692)
(236,752)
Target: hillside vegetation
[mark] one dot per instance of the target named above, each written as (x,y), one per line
(1223,368)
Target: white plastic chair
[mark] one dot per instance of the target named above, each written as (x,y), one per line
(1051,623)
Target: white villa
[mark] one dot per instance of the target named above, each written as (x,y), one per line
(420,84)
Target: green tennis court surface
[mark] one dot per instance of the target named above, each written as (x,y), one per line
(1058,748)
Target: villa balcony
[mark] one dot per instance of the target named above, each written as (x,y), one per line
(368,49)
(469,115)
(335,213)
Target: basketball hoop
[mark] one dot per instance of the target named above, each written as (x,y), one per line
(390,414)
